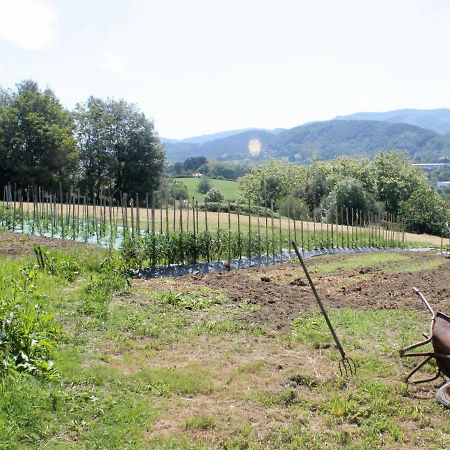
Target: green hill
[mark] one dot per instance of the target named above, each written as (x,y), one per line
(322,140)
(437,120)
(235,147)
(325,140)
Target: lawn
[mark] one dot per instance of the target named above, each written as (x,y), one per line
(240,359)
(229,189)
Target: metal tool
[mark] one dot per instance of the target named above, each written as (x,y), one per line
(346,364)
(439,337)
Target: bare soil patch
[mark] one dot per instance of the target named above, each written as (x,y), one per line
(281,294)
(17,244)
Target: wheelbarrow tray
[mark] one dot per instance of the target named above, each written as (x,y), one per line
(439,337)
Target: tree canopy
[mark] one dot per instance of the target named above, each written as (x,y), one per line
(104,144)
(388,183)
(119,148)
(37,145)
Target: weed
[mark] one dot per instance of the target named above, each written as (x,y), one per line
(200,422)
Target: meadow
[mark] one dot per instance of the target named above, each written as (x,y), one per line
(229,189)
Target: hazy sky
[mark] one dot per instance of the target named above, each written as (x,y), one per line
(200,66)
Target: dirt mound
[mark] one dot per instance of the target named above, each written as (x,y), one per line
(17,244)
(281,295)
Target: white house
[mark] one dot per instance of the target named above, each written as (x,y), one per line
(443,184)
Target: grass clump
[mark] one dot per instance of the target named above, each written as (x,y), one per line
(200,422)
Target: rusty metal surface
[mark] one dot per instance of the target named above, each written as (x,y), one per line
(439,337)
(440,340)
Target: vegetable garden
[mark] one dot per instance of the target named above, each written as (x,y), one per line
(185,232)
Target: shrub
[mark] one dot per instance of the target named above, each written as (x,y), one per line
(28,331)
(426,212)
(349,193)
(204,186)
(179,191)
(213,196)
(294,207)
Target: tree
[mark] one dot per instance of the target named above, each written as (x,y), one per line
(193,163)
(349,194)
(396,179)
(178,190)
(37,146)
(426,212)
(204,186)
(317,185)
(272,180)
(294,207)
(119,148)
(213,196)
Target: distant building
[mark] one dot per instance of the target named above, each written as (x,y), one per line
(443,184)
(430,166)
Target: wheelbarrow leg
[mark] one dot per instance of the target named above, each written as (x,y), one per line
(419,366)
(416,345)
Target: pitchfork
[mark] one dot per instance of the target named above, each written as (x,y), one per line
(346,364)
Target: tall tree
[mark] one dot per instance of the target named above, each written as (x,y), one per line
(37,146)
(119,147)
(396,179)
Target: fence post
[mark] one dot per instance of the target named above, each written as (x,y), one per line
(207,232)
(249,233)
(273,232)
(259,237)
(132,217)
(153,231)
(147,215)
(138,225)
(229,236)
(239,233)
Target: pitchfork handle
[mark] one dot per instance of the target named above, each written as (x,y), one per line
(319,301)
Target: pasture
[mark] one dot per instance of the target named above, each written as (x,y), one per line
(229,189)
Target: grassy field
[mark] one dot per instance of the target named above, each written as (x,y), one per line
(229,189)
(201,363)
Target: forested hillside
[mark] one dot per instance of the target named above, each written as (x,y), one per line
(322,140)
(233,147)
(326,140)
(437,120)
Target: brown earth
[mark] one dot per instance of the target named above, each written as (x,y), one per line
(281,292)
(17,244)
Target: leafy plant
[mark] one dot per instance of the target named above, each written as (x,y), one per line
(28,331)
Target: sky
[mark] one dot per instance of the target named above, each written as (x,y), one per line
(202,66)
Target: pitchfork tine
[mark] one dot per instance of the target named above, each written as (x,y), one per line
(347,366)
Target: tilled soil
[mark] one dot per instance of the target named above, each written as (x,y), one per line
(281,294)
(17,244)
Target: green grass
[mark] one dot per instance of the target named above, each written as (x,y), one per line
(201,422)
(366,260)
(229,189)
(170,364)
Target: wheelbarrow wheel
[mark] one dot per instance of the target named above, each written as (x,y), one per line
(443,395)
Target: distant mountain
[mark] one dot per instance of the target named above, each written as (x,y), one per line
(246,144)
(437,120)
(220,135)
(322,140)
(325,140)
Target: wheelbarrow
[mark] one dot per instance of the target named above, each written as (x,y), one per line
(439,337)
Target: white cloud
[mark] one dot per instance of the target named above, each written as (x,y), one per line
(28,23)
(116,64)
